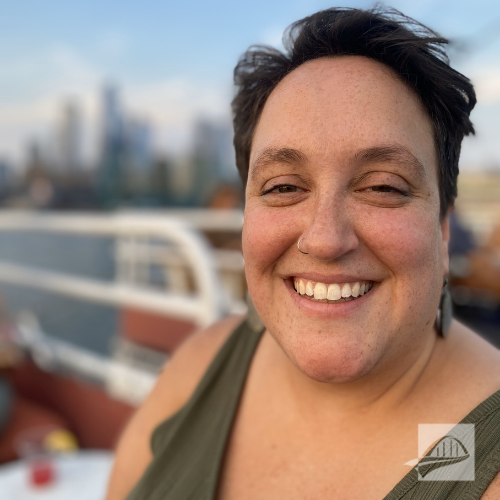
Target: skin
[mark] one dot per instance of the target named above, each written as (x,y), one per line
(331,386)
(355,377)
(353,225)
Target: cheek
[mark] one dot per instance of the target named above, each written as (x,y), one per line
(408,243)
(267,234)
(406,238)
(411,247)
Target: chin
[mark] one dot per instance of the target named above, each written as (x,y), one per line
(335,363)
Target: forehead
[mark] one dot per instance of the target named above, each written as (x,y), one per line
(332,107)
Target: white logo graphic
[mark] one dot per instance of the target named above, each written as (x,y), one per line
(446,452)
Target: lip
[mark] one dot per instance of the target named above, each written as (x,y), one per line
(324,310)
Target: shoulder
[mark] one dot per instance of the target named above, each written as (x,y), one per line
(174,387)
(183,372)
(474,339)
(475,357)
(467,368)
(476,374)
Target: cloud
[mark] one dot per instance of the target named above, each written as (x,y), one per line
(54,71)
(35,89)
(487,84)
(32,91)
(482,149)
(172,105)
(177,100)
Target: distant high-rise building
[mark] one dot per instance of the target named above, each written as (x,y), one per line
(34,154)
(138,140)
(5,177)
(213,158)
(112,119)
(69,157)
(113,147)
(139,162)
(212,145)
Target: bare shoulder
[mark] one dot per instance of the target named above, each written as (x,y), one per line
(174,386)
(479,363)
(476,353)
(470,366)
(184,371)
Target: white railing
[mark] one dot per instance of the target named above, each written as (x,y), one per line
(183,251)
(120,380)
(185,245)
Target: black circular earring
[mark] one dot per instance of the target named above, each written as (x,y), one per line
(445,311)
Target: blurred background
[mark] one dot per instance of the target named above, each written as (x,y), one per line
(114,118)
(112,104)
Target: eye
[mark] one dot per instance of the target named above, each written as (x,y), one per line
(385,188)
(282,189)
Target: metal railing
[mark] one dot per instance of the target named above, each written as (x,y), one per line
(176,245)
(188,248)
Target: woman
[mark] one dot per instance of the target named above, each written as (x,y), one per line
(349,148)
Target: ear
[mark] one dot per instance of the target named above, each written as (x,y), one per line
(445,240)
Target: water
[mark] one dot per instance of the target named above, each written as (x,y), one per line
(92,326)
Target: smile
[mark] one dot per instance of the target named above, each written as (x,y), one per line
(333,293)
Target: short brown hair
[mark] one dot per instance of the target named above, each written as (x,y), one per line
(411,49)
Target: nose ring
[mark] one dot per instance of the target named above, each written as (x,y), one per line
(298,246)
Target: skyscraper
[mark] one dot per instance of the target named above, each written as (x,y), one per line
(113,147)
(213,158)
(69,144)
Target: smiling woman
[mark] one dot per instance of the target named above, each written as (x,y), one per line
(359,205)
(349,148)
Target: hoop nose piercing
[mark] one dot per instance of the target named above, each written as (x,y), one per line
(298,245)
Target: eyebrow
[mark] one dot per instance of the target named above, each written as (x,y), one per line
(394,153)
(277,155)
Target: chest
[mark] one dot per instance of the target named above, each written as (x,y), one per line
(270,458)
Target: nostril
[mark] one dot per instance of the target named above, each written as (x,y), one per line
(328,243)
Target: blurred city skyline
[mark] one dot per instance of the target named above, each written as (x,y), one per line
(171,65)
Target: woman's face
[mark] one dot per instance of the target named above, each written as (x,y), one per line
(344,157)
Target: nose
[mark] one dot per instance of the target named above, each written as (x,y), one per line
(331,233)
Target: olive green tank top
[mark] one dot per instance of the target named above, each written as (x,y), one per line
(188,447)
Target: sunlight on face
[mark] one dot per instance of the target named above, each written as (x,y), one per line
(343,156)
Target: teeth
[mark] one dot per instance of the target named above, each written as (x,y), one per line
(320,291)
(334,292)
(346,290)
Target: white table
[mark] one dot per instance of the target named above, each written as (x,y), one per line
(80,476)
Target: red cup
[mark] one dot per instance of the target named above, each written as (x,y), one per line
(40,464)
(41,472)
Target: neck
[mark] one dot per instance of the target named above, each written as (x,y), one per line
(387,387)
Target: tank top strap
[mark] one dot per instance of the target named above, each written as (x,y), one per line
(486,420)
(189,447)
(487,445)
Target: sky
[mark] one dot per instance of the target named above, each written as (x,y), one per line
(173,62)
